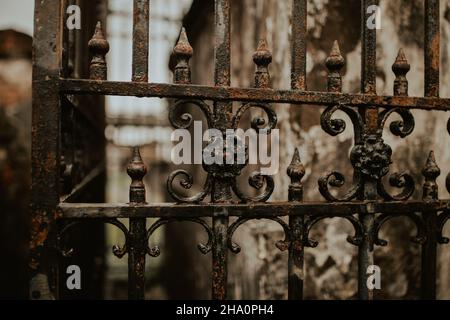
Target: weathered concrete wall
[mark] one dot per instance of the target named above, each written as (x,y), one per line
(260,270)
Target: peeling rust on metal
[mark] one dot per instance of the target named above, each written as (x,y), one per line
(367,205)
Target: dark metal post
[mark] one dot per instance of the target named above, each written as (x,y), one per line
(429,249)
(47,55)
(370,116)
(221,191)
(432,64)
(137,236)
(432,48)
(299,46)
(296,172)
(137,169)
(141,35)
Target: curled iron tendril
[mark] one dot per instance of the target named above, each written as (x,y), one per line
(398,180)
(282,245)
(118,251)
(258,123)
(419,238)
(62,250)
(256,181)
(401,128)
(204,248)
(442,220)
(337,180)
(181,120)
(311,221)
(335,127)
(187,183)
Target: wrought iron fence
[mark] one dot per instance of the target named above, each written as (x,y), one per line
(367,205)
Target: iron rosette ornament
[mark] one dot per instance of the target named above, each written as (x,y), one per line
(372,158)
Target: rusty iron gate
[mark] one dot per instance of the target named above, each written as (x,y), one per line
(367,205)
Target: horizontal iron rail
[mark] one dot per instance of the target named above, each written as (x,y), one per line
(69,86)
(252,210)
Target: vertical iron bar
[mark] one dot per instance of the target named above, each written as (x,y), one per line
(137,235)
(47,55)
(137,169)
(296,170)
(432,48)
(141,34)
(299,45)
(221,191)
(296,273)
(429,249)
(370,115)
(432,63)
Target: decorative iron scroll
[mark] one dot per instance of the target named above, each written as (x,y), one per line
(313,220)
(204,248)
(118,251)
(225,172)
(419,238)
(443,218)
(371,156)
(282,245)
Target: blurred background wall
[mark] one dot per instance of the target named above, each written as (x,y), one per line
(16,30)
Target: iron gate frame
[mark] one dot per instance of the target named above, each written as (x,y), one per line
(367,206)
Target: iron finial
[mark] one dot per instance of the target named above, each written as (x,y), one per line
(296,171)
(400,68)
(137,170)
(98,47)
(335,62)
(262,58)
(431,172)
(182,53)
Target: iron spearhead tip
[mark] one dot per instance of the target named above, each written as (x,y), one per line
(183,35)
(183,48)
(98,34)
(401,65)
(262,45)
(335,50)
(136,168)
(296,170)
(335,60)
(401,55)
(431,170)
(98,44)
(262,55)
(137,154)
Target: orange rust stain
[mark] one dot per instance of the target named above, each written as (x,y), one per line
(50,162)
(39,232)
(435,48)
